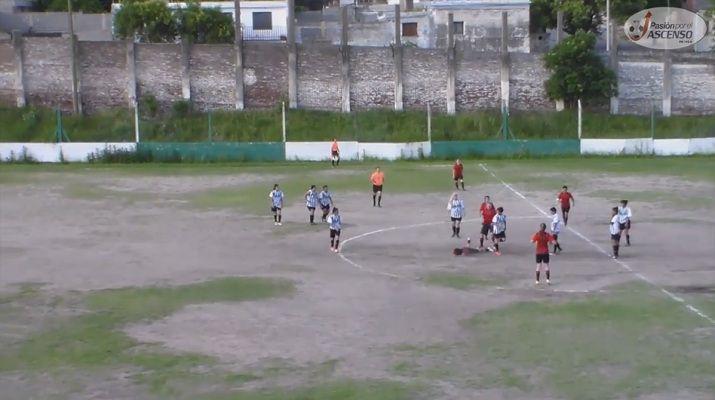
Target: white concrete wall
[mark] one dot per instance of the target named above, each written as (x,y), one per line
(394,151)
(671,147)
(319,151)
(660,147)
(50,152)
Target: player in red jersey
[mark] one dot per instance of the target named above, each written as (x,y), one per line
(487,211)
(542,240)
(565,198)
(458,173)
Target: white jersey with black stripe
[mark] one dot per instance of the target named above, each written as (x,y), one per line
(456,208)
(499,223)
(311,198)
(335,222)
(556,224)
(325,198)
(624,214)
(276,197)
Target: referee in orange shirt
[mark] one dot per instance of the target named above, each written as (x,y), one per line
(377,179)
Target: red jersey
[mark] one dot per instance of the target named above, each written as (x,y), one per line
(542,240)
(457,169)
(488,213)
(565,199)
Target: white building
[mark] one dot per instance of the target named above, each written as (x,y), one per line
(261,20)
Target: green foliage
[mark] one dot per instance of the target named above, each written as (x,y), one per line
(148,105)
(87,6)
(181,108)
(622,9)
(205,25)
(577,72)
(150,20)
(583,15)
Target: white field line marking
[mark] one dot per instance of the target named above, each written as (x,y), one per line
(600,249)
(393,228)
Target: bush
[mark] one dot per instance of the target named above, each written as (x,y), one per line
(577,72)
(204,25)
(148,106)
(87,6)
(150,20)
(181,108)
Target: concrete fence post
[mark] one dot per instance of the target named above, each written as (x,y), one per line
(397,54)
(292,57)
(613,64)
(559,37)
(345,59)
(131,75)
(451,67)
(667,82)
(504,60)
(185,65)
(238,49)
(17,45)
(74,71)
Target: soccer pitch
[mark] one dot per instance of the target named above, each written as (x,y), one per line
(158,281)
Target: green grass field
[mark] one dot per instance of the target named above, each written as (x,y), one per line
(627,343)
(38,125)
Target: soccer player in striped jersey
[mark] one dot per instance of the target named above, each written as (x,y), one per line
(624,219)
(325,198)
(456,212)
(276,196)
(311,201)
(555,228)
(615,230)
(335,225)
(498,230)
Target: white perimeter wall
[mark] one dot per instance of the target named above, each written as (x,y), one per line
(660,147)
(320,151)
(50,152)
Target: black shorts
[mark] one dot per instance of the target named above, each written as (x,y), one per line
(456,219)
(616,237)
(501,235)
(335,153)
(334,233)
(458,177)
(626,225)
(376,188)
(311,208)
(275,209)
(555,235)
(542,258)
(565,208)
(325,208)
(486,228)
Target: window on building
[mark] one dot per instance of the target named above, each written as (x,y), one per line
(262,20)
(409,29)
(458,27)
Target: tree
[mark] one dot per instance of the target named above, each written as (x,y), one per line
(205,25)
(577,72)
(150,20)
(587,15)
(578,14)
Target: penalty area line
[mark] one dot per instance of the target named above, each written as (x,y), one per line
(622,264)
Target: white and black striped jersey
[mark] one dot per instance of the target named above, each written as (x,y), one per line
(335,222)
(276,197)
(325,198)
(624,214)
(499,223)
(615,227)
(456,208)
(311,198)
